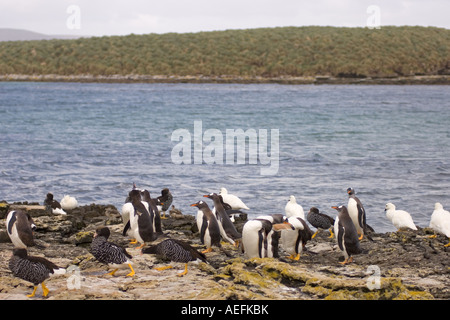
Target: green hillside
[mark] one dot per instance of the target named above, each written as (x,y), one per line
(271,52)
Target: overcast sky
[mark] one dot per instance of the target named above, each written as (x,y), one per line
(111,17)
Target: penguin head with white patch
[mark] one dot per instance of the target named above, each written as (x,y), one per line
(338,208)
(350,191)
(198,204)
(210,196)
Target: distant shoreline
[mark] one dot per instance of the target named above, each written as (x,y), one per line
(405,80)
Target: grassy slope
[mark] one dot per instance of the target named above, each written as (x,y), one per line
(271,52)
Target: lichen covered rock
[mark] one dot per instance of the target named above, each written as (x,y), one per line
(404,265)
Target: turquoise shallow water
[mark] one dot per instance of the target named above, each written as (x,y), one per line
(92,141)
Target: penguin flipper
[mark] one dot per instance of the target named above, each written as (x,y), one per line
(340,236)
(203,229)
(361,215)
(125,229)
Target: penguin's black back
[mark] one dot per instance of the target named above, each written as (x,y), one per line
(348,234)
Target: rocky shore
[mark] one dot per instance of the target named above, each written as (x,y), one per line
(396,265)
(437,79)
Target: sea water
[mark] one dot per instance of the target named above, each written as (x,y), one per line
(93,141)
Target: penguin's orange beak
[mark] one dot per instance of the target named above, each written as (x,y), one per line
(289,225)
(194,205)
(283,226)
(334,207)
(206,196)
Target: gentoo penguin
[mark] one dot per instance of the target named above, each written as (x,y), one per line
(20,226)
(125,213)
(357,212)
(228,209)
(232,200)
(346,235)
(273,237)
(256,237)
(320,221)
(440,221)
(54,205)
(141,223)
(108,252)
(33,269)
(207,225)
(153,210)
(165,200)
(226,206)
(68,202)
(175,251)
(293,241)
(399,218)
(227,229)
(293,209)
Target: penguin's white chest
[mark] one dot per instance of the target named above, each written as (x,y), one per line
(207,236)
(352,208)
(252,240)
(289,241)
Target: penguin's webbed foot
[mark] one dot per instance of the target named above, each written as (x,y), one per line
(348,260)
